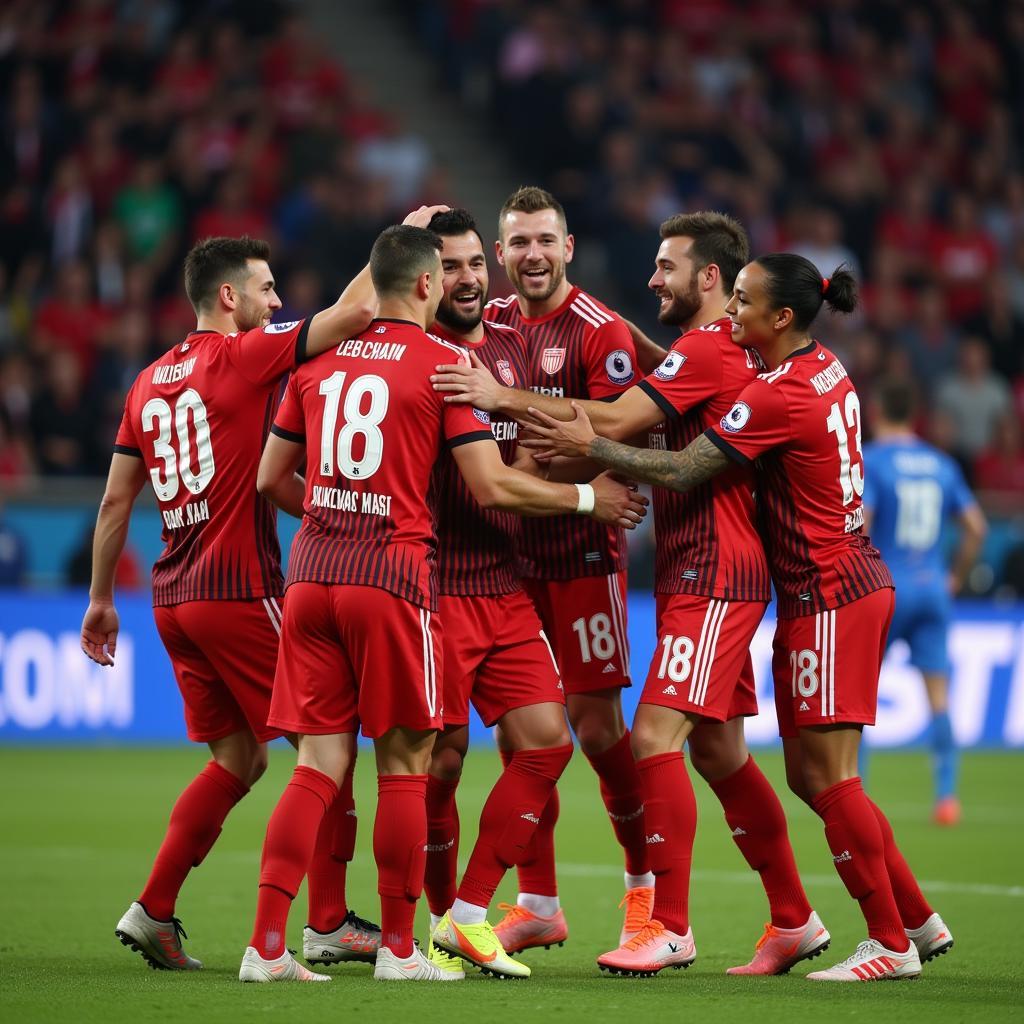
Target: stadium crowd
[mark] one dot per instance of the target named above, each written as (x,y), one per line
(881,135)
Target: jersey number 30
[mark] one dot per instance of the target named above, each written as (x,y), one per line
(177,468)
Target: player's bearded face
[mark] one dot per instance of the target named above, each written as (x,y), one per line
(535,250)
(256,301)
(465,283)
(675,282)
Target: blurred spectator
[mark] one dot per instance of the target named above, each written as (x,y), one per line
(148,211)
(1001,327)
(13,553)
(999,469)
(974,398)
(61,419)
(929,339)
(71,320)
(964,255)
(78,572)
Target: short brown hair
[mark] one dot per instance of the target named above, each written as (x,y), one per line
(717,238)
(213,261)
(398,257)
(531,199)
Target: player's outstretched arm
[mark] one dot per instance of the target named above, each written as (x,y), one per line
(973,528)
(100,625)
(495,485)
(678,471)
(276,478)
(630,414)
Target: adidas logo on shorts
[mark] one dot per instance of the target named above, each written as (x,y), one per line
(737,831)
(804,706)
(656,838)
(842,858)
(530,816)
(671,691)
(608,668)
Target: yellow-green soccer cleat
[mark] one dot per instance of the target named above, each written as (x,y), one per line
(450,965)
(478,944)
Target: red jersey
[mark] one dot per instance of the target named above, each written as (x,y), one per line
(476,552)
(707,540)
(802,423)
(580,350)
(199,417)
(374,427)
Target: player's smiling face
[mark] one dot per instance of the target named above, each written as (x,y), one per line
(674,281)
(534,249)
(256,301)
(755,323)
(465,282)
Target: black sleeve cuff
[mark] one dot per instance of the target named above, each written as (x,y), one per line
(609,398)
(300,342)
(476,435)
(288,435)
(659,399)
(125,449)
(727,449)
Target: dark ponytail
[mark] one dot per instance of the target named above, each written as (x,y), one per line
(794,281)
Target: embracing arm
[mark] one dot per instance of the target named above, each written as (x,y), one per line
(681,471)
(276,478)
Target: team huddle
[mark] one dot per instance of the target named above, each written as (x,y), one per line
(458,468)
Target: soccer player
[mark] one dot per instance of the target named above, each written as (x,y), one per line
(912,491)
(194,426)
(574,571)
(361,642)
(801,421)
(712,585)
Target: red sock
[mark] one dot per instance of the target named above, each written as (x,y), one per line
(509,818)
(670,810)
(195,823)
(399,836)
(913,907)
(620,791)
(536,870)
(855,839)
(287,852)
(758,823)
(335,844)
(442,844)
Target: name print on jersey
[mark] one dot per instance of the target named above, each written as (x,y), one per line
(171,372)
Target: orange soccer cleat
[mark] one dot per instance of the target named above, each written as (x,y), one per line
(522,929)
(780,949)
(652,949)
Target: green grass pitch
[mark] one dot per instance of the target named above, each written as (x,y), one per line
(79,829)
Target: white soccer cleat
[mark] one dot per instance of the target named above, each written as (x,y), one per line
(780,949)
(873,962)
(158,942)
(284,968)
(353,939)
(410,968)
(932,939)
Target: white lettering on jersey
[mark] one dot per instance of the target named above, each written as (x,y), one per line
(168,373)
(359,349)
(367,503)
(189,514)
(828,378)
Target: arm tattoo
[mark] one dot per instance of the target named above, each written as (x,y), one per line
(678,471)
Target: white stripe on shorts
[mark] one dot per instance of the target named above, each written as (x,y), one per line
(274,619)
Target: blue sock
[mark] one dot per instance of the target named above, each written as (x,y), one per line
(944,754)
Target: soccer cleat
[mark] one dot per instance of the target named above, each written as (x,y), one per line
(158,942)
(947,812)
(780,949)
(652,949)
(450,965)
(353,939)
(639,904)
(932,939)
(522,929)
(873,962)
(478,944)
(415,967)
(284,968)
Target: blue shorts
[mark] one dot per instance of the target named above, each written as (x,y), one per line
(922,619)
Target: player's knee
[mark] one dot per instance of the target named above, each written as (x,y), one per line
(647,741)
(258,765)
(446,763)
(596,734)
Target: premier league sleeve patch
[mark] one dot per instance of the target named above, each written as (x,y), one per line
(281,328)
(671,366)
(619,367)
(482,416)
(736,418)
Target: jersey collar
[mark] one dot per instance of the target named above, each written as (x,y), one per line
(569,300)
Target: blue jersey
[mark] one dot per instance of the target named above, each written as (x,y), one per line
(913,492)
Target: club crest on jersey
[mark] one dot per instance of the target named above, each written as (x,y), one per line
(482,416)
(504,368)
(736,418)
(552,360)
(281,328)
(619,366)
(671,366)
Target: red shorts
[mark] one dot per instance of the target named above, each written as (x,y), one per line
(224,654)
(495,654)
(585,620)
(826,665)
(354,655)
(702,662)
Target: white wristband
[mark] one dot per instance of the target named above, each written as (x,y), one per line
(585,505)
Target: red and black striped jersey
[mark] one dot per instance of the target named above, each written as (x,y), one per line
(199,417)
(707,539)
(580,350)
(477,547)
(374,428)
(802,424)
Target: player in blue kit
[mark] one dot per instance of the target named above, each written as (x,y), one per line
(912,493)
